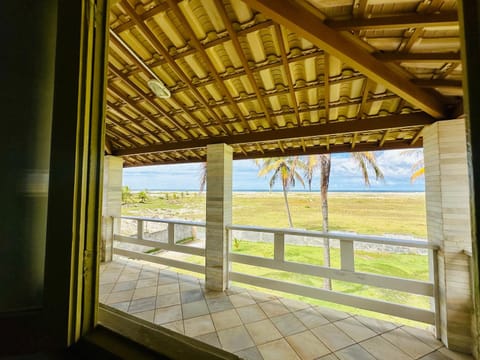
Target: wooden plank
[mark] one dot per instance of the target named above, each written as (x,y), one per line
(157,244)
(311,28)
(332,128)
(386,282)
(403,311)
(160,260)
(396,22)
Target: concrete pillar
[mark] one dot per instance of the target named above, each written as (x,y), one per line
(218,214)
(112,202)
(448,225)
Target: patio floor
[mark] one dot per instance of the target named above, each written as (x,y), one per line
(257,325)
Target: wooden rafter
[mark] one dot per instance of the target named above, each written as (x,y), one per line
(332,128)
(291,88)
(419,57)
(439,83)
(396,22)
(243,59)
(142,112)
(126,50)
(136,123)
(200,49)
(365,93)
(152,39)
(311,28)
(326,87)
(144,96)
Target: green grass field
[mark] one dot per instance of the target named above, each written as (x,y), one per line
(363,213)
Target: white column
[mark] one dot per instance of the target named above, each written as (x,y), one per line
(112,202)
(218,214)
(448,225)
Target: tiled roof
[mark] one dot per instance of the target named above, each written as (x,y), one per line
(275,77)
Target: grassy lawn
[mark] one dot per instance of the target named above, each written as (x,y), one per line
(364,213)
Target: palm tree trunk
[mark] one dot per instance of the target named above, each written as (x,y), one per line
(325,164)
(288,208)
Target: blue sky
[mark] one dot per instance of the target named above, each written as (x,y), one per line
(345,176)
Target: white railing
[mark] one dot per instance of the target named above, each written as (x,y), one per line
(138,235)
(143,238)
(346,272)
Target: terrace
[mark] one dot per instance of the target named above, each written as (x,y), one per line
(212,81)
(254,324)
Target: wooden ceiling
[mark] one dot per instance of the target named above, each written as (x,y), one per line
(273,77)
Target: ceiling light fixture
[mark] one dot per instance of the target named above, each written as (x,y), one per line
(159,88)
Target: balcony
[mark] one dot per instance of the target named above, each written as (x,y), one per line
(255,324)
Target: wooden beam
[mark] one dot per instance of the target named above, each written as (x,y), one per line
(311,28)
(418,57)
(396,22)
(439,83)
(332,128)
(314,150)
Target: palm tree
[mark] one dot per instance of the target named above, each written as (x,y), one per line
(285,170)
(203,176)
(364,160)
(418,167)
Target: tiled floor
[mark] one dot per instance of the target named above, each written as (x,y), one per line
(257,325)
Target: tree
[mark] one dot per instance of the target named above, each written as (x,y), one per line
(126,195)
(283,169)
(203,176)
(364,160)
(143,196)
(418,167)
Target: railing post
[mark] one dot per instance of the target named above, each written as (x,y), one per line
(279,246)
(171,234)
(228,234)
(140,229)
(433,276)
(347,257)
